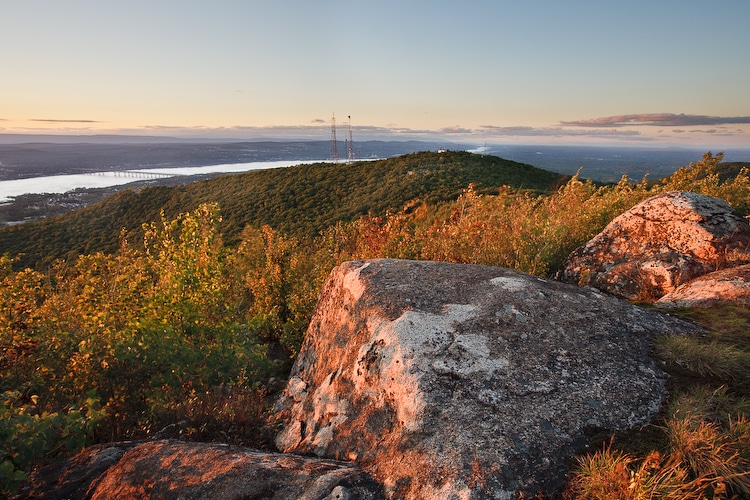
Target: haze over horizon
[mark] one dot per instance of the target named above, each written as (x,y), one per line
(667,73)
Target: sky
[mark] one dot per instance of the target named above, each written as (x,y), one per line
(636,72)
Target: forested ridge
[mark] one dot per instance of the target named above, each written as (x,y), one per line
(299,201)
(190,322)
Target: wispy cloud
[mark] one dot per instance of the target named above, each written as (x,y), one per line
(49,120)
(455,130)
(319,129)
(521,131)
(636,128)
(658,119)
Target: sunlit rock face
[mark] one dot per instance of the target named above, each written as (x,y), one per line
(185,471)
(659,244)
(445,379)
(728,286)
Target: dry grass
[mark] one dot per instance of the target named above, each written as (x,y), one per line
(704,461)
(704,359)
(711,453)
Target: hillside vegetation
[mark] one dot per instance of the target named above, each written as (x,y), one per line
(299,201)
(177,330)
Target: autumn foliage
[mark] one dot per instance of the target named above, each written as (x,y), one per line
(180,329)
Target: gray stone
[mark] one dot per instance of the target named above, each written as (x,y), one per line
(661,243)
(728,286)
(168,469)
(71,479)
(462,381)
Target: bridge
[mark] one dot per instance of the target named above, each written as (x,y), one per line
(141,174)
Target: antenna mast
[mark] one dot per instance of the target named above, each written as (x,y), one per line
(350,144)
(334,145)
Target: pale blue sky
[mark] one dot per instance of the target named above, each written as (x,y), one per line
(639,71)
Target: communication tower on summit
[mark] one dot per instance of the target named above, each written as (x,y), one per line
(350,144)
(334,144)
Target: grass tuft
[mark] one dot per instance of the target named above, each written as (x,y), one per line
(705,461)
(702,359)
(710,452)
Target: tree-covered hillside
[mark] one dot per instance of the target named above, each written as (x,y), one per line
(178,332)
(299,201)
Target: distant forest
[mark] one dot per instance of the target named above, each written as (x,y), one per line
(300,201)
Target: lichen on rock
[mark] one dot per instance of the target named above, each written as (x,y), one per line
(446,379)
(660,244)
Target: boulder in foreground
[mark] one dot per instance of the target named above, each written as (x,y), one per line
(446,380)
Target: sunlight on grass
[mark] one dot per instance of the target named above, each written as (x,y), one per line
(704,460)
(712,359)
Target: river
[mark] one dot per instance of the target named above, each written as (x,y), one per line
(64,183)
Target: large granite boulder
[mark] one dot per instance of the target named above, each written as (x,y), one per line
(661,243)
(728,286)
(178,470)
(462,381)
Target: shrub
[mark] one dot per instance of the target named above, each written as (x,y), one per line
(703,177)
(29,436)
(144,329)
(276,281)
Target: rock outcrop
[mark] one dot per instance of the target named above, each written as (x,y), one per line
(661,243)
(73,478)
(186,471)
(728,286)
(462,381)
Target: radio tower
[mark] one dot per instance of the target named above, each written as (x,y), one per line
(350,144)
(334,145)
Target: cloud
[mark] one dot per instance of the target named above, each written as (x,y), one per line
(49,120)
(657,119)
(455,130)
(622,129)
(320,130)
(517,130)
(718,131)
(522,131)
